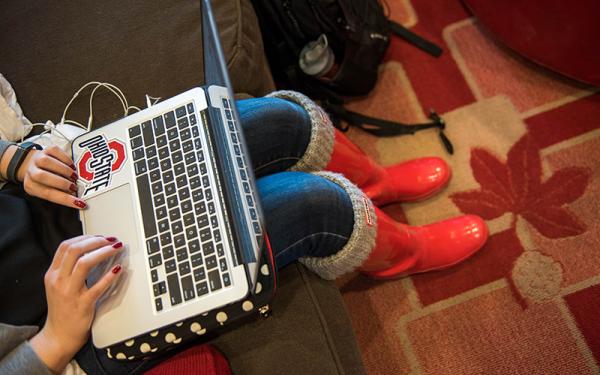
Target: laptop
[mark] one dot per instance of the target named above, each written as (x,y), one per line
(175,184)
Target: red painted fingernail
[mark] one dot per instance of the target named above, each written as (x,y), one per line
(74,176)
(118,245)
(79,203)
(73,188)
(72,166)
(116,269)
(111,239)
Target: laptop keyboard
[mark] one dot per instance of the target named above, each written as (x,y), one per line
(241,164)
(184,243)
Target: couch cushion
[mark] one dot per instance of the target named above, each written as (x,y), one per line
(50,49)
(309,332)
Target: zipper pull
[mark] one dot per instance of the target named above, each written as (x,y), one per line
(265,311)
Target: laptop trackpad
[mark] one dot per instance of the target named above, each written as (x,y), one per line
(111,214)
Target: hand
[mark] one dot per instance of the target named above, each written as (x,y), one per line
(50,174)
(71,304)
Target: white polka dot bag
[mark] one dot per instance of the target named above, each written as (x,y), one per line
(203,327)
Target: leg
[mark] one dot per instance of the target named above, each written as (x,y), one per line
(306,216)
(327,223)
(277,133)
(402,250)
(409,181)
(412,180)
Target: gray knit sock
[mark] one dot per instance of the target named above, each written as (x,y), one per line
(320,147)
(361,242)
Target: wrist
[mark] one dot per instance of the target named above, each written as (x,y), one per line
(23,167)
(52,351)
(5,160)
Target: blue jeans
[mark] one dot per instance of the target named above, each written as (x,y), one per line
(305,214)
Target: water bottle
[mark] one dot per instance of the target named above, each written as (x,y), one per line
(317,59)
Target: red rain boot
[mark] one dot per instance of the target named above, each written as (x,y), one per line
(413,180)
(402,250)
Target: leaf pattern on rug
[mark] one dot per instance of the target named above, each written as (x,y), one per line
(516,186)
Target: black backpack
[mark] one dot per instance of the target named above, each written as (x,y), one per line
(358,33)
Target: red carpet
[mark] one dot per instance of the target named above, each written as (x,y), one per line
(528,161)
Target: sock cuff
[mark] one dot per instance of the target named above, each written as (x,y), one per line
(320,147)
(361,242)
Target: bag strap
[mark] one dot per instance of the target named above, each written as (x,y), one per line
(386,128)
(414,39)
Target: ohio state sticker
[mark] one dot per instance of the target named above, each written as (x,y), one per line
(100,161)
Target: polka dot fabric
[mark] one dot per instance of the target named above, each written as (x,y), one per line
(197,328)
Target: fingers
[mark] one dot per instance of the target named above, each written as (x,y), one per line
(53,180)
(52,194)
(90,260)
(60,155)
(54,160)
(104,283)
(62,249)
(76,250)
(50,175)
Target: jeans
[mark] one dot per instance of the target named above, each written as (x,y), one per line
(305,214)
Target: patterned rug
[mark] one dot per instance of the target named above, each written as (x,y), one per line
(527,160)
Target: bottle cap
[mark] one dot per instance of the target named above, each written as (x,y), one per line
(316,58)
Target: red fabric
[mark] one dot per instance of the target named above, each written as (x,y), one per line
(561,35)
(584,307)
(198,360)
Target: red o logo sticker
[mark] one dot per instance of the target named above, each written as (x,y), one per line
(100,161)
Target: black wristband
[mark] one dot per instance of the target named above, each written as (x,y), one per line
(18,159)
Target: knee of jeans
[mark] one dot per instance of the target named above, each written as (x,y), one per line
(287,112)
(275,110)
(323,193)
(305,202)
(303,191)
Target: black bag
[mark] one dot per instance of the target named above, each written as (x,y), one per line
(357,32)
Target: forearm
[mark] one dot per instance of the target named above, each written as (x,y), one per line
(52,353)
(16,354)
(7,150)
(23,360)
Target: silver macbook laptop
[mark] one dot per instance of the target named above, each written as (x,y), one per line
(175,184)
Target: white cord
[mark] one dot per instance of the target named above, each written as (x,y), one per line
(148,100)
(32,126)
(47,128)
(97,85)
